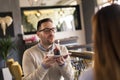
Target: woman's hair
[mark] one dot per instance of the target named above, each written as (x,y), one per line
(106,31)
(42,21)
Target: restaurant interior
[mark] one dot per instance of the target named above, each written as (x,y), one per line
(72,18)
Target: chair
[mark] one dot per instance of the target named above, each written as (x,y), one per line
(9,63)
(15,69)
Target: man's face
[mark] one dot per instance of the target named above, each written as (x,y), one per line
(46,33)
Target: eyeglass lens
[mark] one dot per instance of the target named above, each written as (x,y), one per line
(48,30)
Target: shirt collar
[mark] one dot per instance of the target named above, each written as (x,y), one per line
(43,49)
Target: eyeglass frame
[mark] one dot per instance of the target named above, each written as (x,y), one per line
(49,30)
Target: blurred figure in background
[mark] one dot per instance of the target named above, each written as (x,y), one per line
(106,31)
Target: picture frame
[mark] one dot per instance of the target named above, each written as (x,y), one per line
(65,18)
(6,24)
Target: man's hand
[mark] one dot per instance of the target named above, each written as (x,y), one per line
(48,62)
(61,60)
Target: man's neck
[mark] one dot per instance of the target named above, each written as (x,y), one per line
(46,47)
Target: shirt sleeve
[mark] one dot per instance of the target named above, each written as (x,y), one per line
(30,72)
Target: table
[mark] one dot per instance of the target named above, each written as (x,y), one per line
(82,54)
(83,61)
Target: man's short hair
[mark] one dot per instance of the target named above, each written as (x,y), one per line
(42,21)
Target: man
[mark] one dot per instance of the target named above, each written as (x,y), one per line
(38,65)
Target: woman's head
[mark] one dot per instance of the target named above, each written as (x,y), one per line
(106,31)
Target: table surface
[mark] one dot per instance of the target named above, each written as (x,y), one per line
(82,54)
(78,46)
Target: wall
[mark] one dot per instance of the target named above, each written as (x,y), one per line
(66,34)
(13,6)
(88,7)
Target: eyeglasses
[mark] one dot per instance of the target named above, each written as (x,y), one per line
(48,30)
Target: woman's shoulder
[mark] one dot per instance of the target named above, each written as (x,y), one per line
(87,74)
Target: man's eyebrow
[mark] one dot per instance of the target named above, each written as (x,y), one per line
(49,28)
